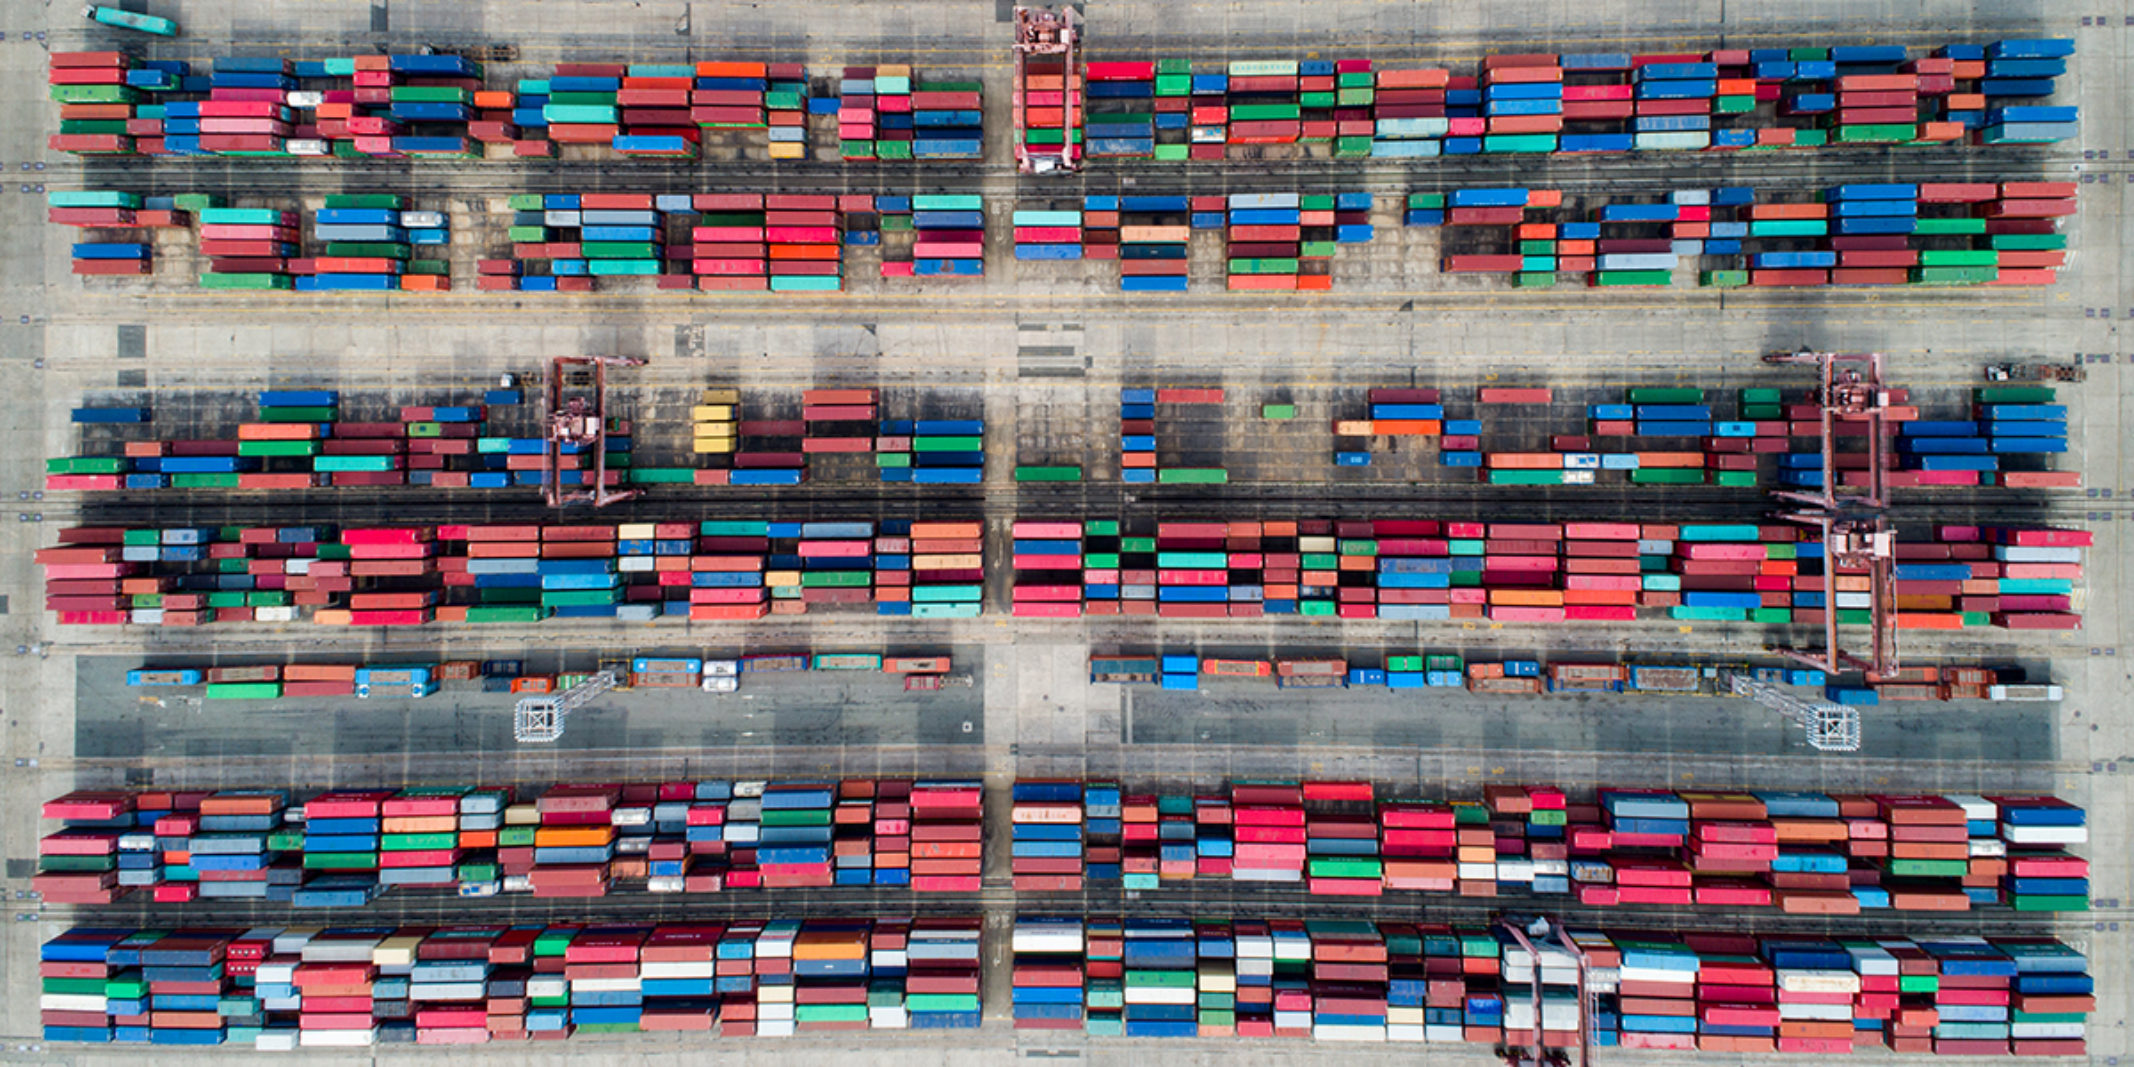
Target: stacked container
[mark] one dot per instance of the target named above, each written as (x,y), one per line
(516,573)
(1047,836)
(931,451)
(281,989)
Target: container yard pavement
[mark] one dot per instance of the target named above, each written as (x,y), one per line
(1042,349)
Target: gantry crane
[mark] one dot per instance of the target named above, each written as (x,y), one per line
(1830,727)
(540,719)
(581,422)
(1856,532)
(1045,38)
(1532,1051)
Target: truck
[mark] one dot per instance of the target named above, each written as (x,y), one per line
(1123,669)
(162,677)
(2035,371)
(130,20)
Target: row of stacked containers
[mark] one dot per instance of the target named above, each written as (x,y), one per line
(1727,99)
(1801,852)
(1327,980)
(280,989)
(1357,981)
(1425,569)
(439,106)
(1886,233)
(1931,234)
(300,440)
(2011,577)
(730,569)
(342,848)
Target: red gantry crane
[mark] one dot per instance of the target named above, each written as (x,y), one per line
(1048,48)
(1530,1048)
(1857,538)
(580,421)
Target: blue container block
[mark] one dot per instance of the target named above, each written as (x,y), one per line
(1489,198)
(1153,284)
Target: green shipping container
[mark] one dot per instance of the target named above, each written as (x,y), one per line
(340,861)
(1876,133)
(1519,142)
(1661,394)
(1620,279)
(2025,242)
(1526,477)
(277,448)
(1048,474)
(1192,476)
(663,476)
(371,464)
(418,842)
(77,863)
(246,281)
(1667,476)
(1954,275)
(90,465)
(297,414)
(1947,227)
(2013,394)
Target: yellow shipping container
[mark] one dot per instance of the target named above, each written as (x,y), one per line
(421,824)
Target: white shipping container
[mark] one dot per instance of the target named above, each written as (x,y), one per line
(306,146)
(1820,1012)
(1638,261)
(1368,1034)
(2024,692)
(1041,940)
(1052,815)
(2060,1031)
(337,1038)
(1818,982)
(1160,994)
(2045,835)
(2036,554)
